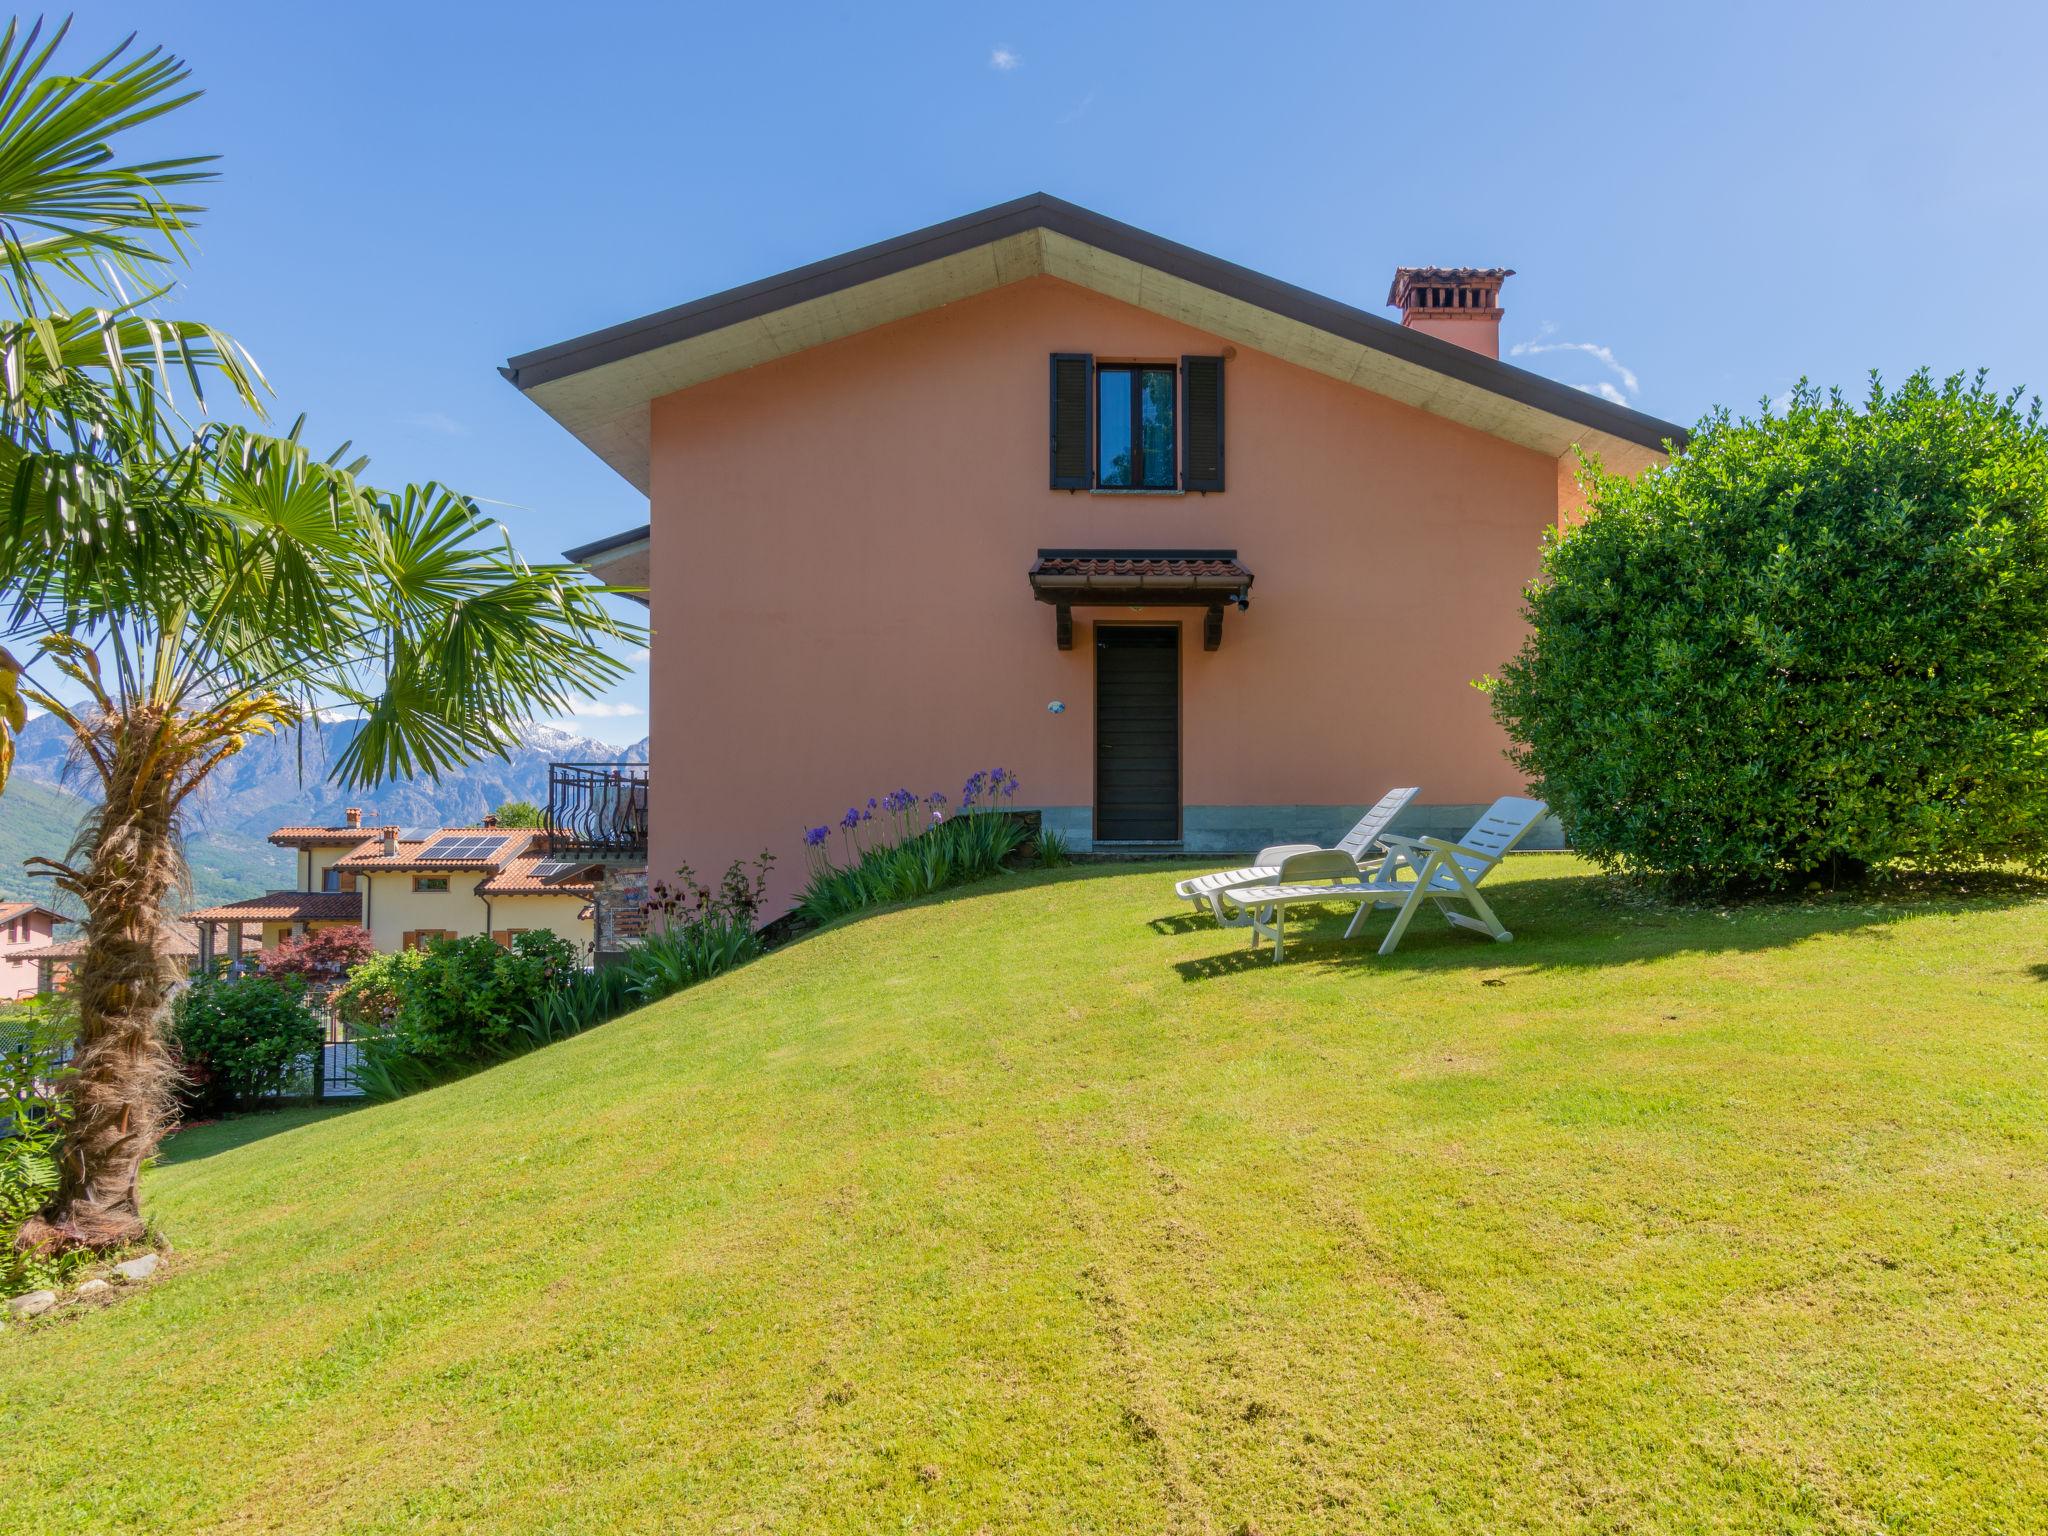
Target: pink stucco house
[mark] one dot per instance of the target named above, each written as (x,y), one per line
(24,926)
(1209,560)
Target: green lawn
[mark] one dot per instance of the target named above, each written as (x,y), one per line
(1042,1209)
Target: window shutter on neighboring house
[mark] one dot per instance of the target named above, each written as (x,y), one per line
(1201,454)
(1073,436)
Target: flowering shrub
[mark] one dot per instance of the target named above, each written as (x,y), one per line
(737,900)
(901,847)
(321,959)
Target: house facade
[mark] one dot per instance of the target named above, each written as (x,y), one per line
(463,882)
(24,927)
(1207,560)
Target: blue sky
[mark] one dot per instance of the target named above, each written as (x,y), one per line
(1702,203)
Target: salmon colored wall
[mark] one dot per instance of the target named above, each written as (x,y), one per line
(1476,333)
(840,606)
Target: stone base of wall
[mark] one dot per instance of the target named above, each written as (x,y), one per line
(1235,829)
(620,913)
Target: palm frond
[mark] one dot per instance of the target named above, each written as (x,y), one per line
(70,206)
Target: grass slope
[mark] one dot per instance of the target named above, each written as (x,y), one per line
(1042,1209)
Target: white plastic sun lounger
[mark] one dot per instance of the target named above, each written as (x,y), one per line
(1445,873)
(1263,870)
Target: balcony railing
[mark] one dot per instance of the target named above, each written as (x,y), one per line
(598,810)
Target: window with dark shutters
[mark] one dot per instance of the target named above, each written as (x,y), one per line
(1201,465)
(1073,437)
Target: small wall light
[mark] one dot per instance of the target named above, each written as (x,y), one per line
(1055,708)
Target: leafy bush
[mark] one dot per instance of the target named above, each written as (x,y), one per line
(881,869)
(35,1044)
(521,813)
(1813,643)
(242,1038)
(451,1005)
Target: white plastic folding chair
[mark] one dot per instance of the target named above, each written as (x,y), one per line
(1441,872)
(1362,840)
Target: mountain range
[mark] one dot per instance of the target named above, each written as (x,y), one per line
(274,781)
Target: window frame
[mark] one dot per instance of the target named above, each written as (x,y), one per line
(430,885)
(1137,413)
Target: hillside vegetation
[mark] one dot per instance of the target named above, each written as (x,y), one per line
(1044,1208)
(37,820)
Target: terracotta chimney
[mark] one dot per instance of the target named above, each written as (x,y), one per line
(391,842)
(354,815)
(1456,304)
(490,821)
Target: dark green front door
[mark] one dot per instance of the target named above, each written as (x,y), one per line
(1137,733)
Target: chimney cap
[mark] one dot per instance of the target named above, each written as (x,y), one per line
(353,815)
(1408,279)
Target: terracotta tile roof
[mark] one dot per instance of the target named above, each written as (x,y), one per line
(287,906)
(373,858)
(518,878)
(1127,568)
(180,937)
(10,910)
(321,837)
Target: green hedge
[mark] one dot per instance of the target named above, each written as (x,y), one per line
(1814,643)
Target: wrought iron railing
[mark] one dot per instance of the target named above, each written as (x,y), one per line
(597,810)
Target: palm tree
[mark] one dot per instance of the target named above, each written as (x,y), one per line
(203,586)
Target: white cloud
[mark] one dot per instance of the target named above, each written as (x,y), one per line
(597,709)
(436,421)
(634,658)
(1004,59)
(1600,353)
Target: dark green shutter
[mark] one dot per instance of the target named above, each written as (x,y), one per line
(1073,437)
(1201,453)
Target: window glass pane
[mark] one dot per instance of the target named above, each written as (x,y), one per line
(1113,411)
(1155,428)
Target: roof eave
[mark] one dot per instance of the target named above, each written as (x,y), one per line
(1044,216)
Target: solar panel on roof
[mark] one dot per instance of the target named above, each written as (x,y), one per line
(463,847)
(555,869)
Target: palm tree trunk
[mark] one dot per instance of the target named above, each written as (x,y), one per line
(126,864)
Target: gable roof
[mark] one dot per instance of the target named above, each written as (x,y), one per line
(599,386)
(14,911)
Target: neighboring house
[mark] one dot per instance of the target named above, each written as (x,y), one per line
(450,883)
(53,962)
(24,926)
(1209,560)
(323,897)
(460,881)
